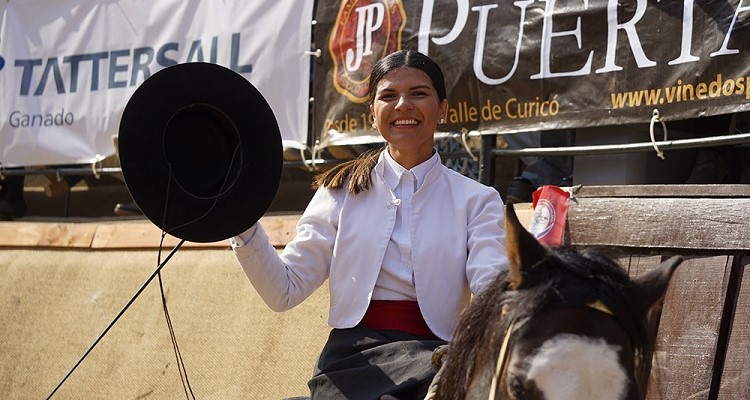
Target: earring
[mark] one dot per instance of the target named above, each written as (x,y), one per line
(442,120)
(374,125)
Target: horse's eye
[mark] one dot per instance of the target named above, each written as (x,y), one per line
(516,388)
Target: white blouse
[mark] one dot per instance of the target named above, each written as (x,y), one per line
(451,234)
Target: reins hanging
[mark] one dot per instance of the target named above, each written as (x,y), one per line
(178,355)
(111,324)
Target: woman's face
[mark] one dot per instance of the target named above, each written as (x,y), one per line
(407,110)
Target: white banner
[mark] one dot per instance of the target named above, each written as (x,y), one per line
(69,67)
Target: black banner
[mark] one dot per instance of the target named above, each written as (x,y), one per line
(514,66)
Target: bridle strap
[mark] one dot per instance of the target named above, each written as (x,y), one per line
(502,357)
(600,306)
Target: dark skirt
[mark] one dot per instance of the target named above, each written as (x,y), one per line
(361,363)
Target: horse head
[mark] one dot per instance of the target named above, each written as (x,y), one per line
(559,324)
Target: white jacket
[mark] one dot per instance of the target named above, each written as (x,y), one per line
(458,248)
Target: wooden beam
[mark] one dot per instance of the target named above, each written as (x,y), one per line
(123,234)
(44,234)
(684,223)
(662,191)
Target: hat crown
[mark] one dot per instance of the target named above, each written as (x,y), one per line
(202,148)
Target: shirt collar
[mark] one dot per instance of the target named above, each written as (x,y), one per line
(393,170)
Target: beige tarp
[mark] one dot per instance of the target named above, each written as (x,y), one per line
(55,302)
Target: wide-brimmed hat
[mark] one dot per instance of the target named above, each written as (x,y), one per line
(200,151)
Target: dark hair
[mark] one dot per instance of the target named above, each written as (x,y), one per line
(407,58)
(358,171)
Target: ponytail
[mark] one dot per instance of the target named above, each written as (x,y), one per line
(356,174)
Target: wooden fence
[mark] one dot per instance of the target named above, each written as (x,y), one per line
(703,336)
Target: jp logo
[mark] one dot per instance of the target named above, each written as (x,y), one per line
(365,31)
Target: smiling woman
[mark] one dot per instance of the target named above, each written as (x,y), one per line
(402,240)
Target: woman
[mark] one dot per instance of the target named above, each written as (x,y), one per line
(404,240)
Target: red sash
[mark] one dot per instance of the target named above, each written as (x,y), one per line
(399,315)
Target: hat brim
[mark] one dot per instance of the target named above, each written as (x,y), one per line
(200,151)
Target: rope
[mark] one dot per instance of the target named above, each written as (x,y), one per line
(309,167)
(432,390)
(178,355)
(111,324)
(317,150)
(96,166)
(656,118)
(437,359)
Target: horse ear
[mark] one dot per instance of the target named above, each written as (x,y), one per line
(524,251)
(652,286)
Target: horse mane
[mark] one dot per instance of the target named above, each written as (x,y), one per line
(572,279)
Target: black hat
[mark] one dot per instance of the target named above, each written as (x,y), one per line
(200,151)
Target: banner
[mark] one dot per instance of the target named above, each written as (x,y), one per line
(525,65)
(68,68)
